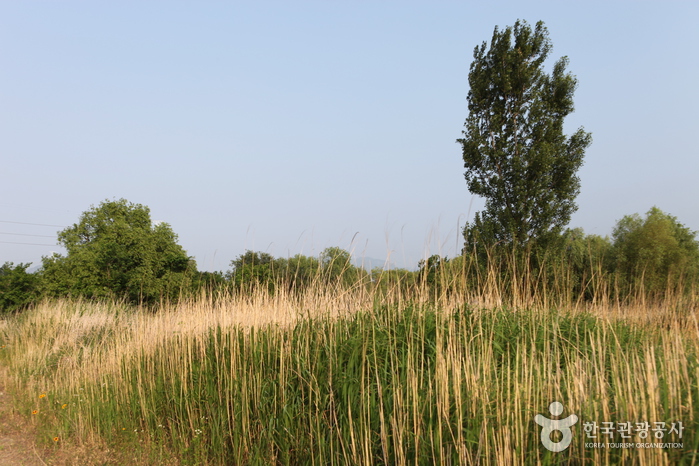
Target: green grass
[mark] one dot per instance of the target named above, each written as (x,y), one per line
(411,383)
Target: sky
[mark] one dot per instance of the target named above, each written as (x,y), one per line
(290,127)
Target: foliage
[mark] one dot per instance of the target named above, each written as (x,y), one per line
(656,252)
(514,149)
(430,267)
(253,269)
(209,281)
(432,273)
(298,272)
(587,260)
(394,282)
(116,251)
(18,288)
(646,258)
(336,267)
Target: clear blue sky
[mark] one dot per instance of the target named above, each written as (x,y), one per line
(288,127)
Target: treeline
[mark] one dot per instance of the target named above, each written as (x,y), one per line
(116,252)
(654,257)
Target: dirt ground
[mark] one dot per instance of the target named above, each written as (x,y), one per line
(17,437)
(19,446)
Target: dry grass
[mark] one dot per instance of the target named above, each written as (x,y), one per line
(333,376)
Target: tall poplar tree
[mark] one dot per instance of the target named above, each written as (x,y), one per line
(514,150)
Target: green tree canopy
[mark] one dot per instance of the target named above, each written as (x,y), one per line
(260,268)
(655,251)
(336,266)
(18,288)
(252,269)
(514,150)
(430,268)
(115,250)
(299,271)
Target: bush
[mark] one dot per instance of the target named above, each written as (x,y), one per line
(18,288)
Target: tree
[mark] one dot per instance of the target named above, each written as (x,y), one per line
(430,269)
(18,288)
(656,252)
(252,269)
(514,149)
(580,265)
(336,266)
(116,251)
(209,282)
(298,272)
(400,280)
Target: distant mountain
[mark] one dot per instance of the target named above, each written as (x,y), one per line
(368,263)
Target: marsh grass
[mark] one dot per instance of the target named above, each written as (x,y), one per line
(351,375)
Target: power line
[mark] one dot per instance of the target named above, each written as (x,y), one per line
(29,244)
(36,224)
(25,234)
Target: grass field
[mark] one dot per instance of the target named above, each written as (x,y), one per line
(348,376)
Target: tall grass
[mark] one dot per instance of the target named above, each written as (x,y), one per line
(404,375)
